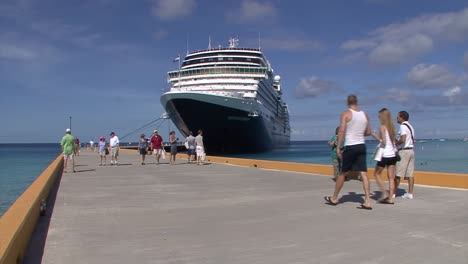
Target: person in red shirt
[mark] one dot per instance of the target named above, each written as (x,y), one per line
(156,145)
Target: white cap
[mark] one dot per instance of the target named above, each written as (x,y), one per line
(67,130)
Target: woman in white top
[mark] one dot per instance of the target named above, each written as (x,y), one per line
(387,142)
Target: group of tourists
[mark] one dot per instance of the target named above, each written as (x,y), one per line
(396,152)
(70,149)
(155,146)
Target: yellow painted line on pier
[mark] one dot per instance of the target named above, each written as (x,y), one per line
(18,223)
(440,179)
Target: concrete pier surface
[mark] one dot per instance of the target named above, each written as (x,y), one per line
(219,213)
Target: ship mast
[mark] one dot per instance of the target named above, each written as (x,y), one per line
(233,42)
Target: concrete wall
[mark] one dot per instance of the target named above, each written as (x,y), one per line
(18,223)
(440,179)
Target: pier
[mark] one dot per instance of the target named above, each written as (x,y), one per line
(223,213)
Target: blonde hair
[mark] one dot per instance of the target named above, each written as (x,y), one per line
(385,118)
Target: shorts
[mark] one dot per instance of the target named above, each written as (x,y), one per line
(68,156)
(200,150)
(191,151)
(354,158)
(102,152)
(114,152)
(387,162)
(143,151)
(405,167)
(157,151)
(173,149)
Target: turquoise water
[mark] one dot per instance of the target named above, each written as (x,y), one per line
(432,155)
(21,164)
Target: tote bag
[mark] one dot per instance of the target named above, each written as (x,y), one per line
(378,153)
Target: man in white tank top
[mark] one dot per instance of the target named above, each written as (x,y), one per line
(354,127)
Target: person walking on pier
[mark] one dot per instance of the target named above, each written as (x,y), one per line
(354,126)
(102,145)
(142,148)
(335,161)
(91,145)
(200,147)
(191,147)
(77,146)
(157,145)
(114,148)
(387,142)
(68,149)
(405,142)
(173,141)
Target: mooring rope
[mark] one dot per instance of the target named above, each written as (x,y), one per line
(143,127)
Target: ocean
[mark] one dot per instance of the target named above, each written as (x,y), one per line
(21,164)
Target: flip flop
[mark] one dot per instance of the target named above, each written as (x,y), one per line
(385,201)
(329,201)
(362,206)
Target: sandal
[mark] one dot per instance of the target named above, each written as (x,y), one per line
(385,201)
(362,206)
(329,201)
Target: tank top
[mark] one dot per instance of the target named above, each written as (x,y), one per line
(355,128)
(389,150)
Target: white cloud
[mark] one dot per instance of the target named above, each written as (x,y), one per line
(314,87)
(14,52)
(396,95)
(396,52)
(400,42)
(456,96)
(358,44)
(291,44)
(26,49)
(251,10)
(173,9)
(453,91)
(431,76)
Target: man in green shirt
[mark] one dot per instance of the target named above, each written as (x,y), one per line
(68,144)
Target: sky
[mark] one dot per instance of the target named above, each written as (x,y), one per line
(104,63)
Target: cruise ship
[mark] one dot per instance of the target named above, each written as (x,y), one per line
(233,95)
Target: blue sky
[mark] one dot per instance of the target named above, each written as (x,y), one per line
(104,62)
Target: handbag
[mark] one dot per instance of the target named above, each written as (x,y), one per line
(378,153)
(398,157)
(107,151)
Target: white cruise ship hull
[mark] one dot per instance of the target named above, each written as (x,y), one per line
(229,124)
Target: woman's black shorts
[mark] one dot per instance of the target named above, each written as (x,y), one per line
(387,162)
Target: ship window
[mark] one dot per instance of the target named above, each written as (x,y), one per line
(202,60)
(210,59)
(220,58)
(230,59)
(248,59)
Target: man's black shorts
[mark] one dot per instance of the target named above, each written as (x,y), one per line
(354,158)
